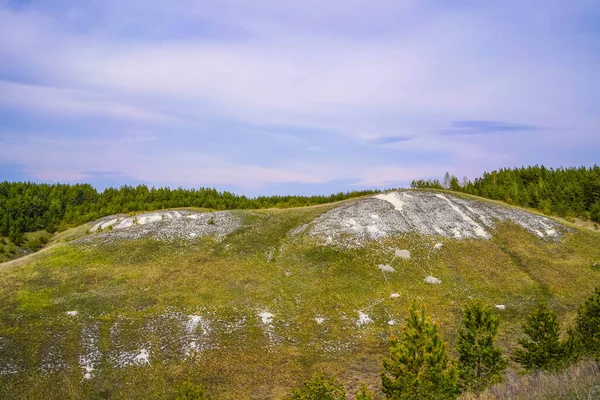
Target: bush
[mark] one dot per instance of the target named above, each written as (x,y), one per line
(189,391)
(364,393)
(480,362)
(588,325)
(319,387)
(418,367)
(541,348)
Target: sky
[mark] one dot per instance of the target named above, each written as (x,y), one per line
(294,97)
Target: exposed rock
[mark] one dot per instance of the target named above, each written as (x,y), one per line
(426,212)
(433,280)
(386,268)
(165,225)
(404,254)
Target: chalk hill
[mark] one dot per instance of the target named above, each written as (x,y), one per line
(251,302)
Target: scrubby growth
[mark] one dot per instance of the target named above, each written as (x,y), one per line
(480,362)
(319,387)
(542,349)
(189,391)
(418,366)
(28,207)
(563,191)
(587,328)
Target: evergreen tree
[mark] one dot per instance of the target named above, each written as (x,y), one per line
(447,180)
(418,367)
(364,393)
(189,391)
(541,348)
(588,325)
(319,387)
(480,362)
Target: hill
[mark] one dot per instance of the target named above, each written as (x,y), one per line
(251,302)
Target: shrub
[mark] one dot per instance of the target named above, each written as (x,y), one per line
(480,363)
(189,391)
(541,348)
(319,387)
(418,367)
(364,393)
(588,325)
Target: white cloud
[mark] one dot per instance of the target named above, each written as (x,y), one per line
(72,102)
(325,66)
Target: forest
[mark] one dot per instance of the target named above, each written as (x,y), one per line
(29,207)
(566,192)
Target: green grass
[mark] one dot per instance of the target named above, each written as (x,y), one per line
(133,285)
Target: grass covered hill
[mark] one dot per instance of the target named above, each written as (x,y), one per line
(250,303)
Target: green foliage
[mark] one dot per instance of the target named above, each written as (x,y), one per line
(364,393)
(418,366)
(588,325)
(426,184)
(211,221)
(29,207)
(541,348)
(480,361)
(189,391)
(319,387)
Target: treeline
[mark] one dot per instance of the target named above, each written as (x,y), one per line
(419,366)
(567,192)
(28,207)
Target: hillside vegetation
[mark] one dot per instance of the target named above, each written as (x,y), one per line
(27,207)
(255,313)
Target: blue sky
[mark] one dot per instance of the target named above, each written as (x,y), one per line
(274,96)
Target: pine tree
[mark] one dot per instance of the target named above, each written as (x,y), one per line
(364,393)
(588,325)
(189,391)
(480,362)
(418,367)
(319,387)
(542,349)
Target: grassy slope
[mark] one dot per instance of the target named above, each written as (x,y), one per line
(261,268)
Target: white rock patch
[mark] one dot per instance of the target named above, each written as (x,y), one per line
(394,295)
(500,306)
(192,342)
(72,313)
(319,320)
(438,246)
(404,254)
(391,322)
(352,225)
(142,358)
(478,229)
(385,268)
(433,280)
(266,317)
(89,342)
(363,319)
(393,198)
(166,225)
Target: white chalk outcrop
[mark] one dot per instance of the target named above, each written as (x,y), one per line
(425,212)
(165,225)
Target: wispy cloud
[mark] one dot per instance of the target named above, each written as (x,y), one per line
(482,127)
(383,140)
(277,93)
